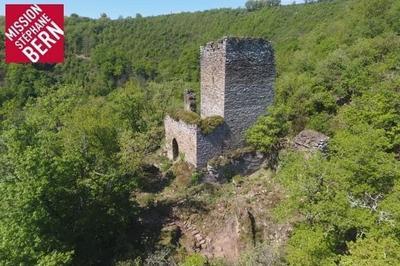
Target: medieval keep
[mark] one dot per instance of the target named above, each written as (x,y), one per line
(237,86)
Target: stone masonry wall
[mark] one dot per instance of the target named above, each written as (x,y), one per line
(186,137)
(210,145)
(197,147)
(212,76)
(250,74)
(237,76)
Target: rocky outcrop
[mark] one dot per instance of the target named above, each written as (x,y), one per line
(239,162)
(199,242)
(310,140)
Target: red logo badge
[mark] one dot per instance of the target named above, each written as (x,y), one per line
(34,33)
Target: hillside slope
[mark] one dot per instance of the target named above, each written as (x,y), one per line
(75,138)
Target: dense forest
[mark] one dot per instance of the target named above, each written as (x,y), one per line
(75,138)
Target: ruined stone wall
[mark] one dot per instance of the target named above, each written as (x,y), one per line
(250,74)
(198,148)
(238,162)
(210,145)
(186,137)
(212,76)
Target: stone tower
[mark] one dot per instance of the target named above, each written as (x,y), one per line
(237,77)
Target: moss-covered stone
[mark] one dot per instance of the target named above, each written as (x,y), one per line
(209,124)
(185,116)
(206,125)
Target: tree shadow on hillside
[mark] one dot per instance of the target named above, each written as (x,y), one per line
(153,180)
(193,206)
(149,230)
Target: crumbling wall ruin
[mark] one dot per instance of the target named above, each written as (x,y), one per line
(237,77)
(193,145)
(186,138)
(210,145)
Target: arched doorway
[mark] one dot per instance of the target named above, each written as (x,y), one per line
(175,149)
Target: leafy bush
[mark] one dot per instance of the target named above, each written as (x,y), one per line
(196,178)
(374,251)
(262,254)
(194,260)
(267,133)
(310,246)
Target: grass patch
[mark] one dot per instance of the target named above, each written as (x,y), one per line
(185,116)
